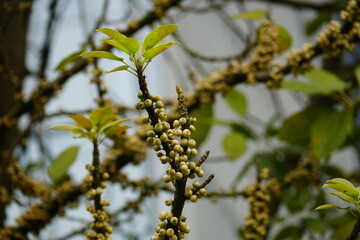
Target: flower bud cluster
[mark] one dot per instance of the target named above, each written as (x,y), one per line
(257,221)
(167,226)
(96,184)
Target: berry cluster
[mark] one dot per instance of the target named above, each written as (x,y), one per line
(100,226)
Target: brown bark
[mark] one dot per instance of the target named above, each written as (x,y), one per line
(14,18)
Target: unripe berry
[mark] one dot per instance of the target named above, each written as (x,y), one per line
(170,232)
(162,116)
(158,127)
(165,125)
(192,165)
(174,221)
(162,224)
(140,95)
(151,133)
(178,175)
(188,193)
(168,202)
(194,152)
(192,120)
(202,192)
(186,133)
(193,198)
(157,98)
(166,178)
(201,173)
(192,128)
(148,103)
(196,184)
(182,121)
(184,168)
(183,158)
(176,124)
(178,132)
(159,104)
(162,232)
(157,141)
(191,143)
(145,119)
(184,142)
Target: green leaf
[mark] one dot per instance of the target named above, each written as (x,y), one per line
(102,54)
(237,101)
(59,167)
(296,197)
(116,130)
(314,24)
(121,68)
(296,128)
(66,127)
(158,34)
(204,116)
(153,52)
(82,122)
(234,145)
(328,206)
(290,232)
(344,197)
(329,131)
(319,82)
(99,115)
(283,40)
(252,15)
(120,41)
(67,60)
(357,74)
(352,192)
(341,181)
(112,124)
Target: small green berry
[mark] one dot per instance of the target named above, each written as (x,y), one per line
(148,103)
(168,202)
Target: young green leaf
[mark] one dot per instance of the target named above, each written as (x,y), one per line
(59,167)
(67,60)
(237,101)
(283,40)
(314,24)
(111,124)
(101,54)
(328,206)
(345,189)
(122,42)
(121,68)
(341,181)
(82,122)
(116,130)
(344,197)
(153,52)
(99,115)
(66,127)
(158,34)
(329,131)
(251,15)
(320,82)
(234,145)
(303,120)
